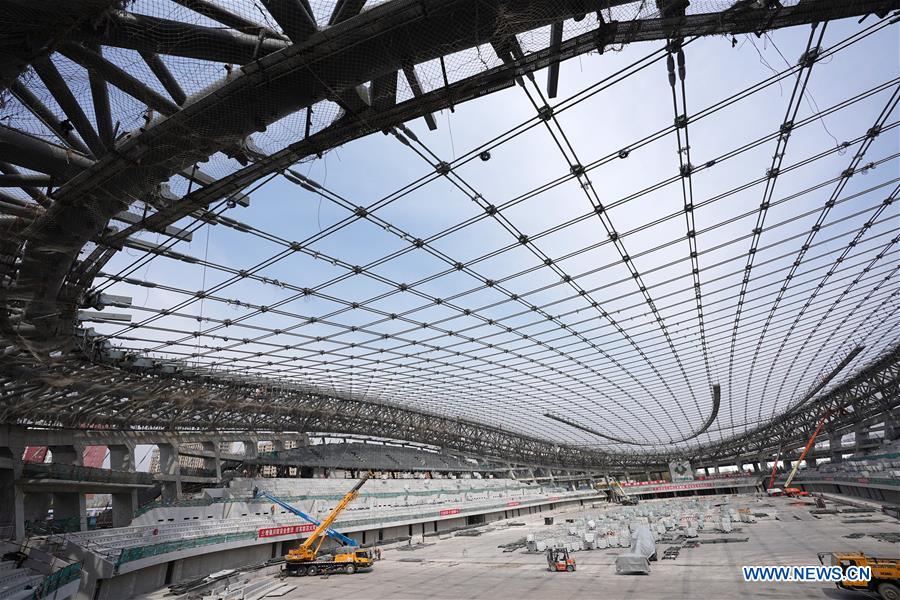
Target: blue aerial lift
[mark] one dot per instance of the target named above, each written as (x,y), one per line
(332,533)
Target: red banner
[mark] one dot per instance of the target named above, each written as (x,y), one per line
(35,454)
(513,503)
(449,511)
(286,530)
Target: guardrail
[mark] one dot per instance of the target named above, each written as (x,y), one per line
(51,526)
(56,580)
(79,473)
(139,552)
(197,472)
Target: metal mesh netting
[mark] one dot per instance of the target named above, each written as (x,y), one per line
(576,302)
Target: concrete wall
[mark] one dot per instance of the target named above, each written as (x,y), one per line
(874,494)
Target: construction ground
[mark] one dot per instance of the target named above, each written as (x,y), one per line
(475,566)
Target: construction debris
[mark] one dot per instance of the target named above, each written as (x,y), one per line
(671,553)
(858,521)
(469,533)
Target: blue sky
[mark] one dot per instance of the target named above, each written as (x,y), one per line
(621,397)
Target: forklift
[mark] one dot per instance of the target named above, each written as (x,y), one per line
(558,560)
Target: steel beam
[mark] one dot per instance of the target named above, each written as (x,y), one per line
(49,74)
(294,17)
(120,78)
(556,31)
(413,80)
(100,98)
(36,154)
(162,36)
(52,121)
(227,18)
(345,9)
(165,77)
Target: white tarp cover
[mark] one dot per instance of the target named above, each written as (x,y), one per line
(642,541)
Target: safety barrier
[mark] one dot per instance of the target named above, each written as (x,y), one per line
(56,580)
(79,473)
(139,552)
(51,526)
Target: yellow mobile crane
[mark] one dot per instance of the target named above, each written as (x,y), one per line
(347,559)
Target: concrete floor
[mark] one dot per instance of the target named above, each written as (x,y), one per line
(474,567)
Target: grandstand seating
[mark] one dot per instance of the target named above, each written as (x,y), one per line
(17,583)
(238,515)
(882,463)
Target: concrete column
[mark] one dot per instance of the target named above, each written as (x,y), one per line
(892,425)
(834,444)
(811,462)
(69,505)
(277,445)
(717,469)
(12,500)
(215,463)
(251,449)
(860,435)
(706,470)
(37,506)
(124,504)
(170,468)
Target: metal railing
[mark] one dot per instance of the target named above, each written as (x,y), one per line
(197,472)
(79,473)
(139,552)
(56,580)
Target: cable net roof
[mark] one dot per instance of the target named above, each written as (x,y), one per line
(588,268)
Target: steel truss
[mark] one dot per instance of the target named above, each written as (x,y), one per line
(44,282)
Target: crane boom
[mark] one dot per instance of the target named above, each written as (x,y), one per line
(332,533)
(309,549)
(809,445)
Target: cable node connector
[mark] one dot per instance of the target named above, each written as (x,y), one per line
(442,168)
(809,57)
(681,121)
(545,113)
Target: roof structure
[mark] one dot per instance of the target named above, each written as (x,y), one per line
(674,247)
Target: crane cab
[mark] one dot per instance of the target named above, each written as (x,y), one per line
(885,573)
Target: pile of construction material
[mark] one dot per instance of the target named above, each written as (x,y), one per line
(667,520)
